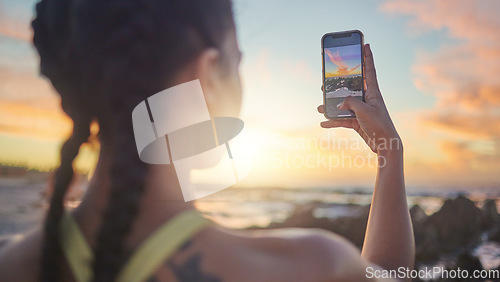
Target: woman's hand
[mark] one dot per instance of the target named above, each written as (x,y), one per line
(372,121)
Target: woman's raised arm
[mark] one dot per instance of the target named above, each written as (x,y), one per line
(389,240)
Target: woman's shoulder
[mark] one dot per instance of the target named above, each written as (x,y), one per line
(325,254)
(20,256)
(314,254)
(304,240)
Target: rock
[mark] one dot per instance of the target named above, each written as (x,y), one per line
(468,262)
(418,218)
(417,279)
(498,277)
(417,214)
(465,261)
(3,241)
(455,226)
(494,235)
(491,218)
(352,228)
(302,216)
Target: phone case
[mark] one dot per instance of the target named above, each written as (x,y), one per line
(323,68)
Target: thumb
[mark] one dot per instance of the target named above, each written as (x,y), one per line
(353,104)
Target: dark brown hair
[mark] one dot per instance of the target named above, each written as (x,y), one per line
(103,58)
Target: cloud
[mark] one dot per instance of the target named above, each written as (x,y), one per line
(462,19)
(29,106)
(464,158)
(474,126)
(27,87)
(21,119)
(463,76)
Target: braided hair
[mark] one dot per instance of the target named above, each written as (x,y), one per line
(103,58)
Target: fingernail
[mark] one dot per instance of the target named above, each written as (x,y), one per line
(340,105)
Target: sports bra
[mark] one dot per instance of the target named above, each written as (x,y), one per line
(158,247)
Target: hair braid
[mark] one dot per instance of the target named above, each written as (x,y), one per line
(127,72)
(51,250)
(104,57)
(127,186)
(51,33)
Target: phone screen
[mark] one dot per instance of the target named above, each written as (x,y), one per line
(342,71)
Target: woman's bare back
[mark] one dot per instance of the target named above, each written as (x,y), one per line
(218,254)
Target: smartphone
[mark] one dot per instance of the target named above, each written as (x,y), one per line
(343,71)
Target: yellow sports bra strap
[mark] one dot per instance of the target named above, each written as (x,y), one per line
(163,243)
(75,248)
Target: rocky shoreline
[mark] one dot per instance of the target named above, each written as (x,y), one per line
(453,232)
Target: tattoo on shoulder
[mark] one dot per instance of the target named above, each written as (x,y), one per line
(191,271)
(188,271)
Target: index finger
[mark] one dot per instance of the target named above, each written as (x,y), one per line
(371,73)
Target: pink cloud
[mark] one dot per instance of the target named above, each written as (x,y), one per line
(21,119)
(463,77)
(29,106)
(463,19)
(342,68)
(463,158)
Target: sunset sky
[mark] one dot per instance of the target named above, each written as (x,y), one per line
(345,60)
(437,64)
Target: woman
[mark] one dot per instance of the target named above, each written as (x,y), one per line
(104,58)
